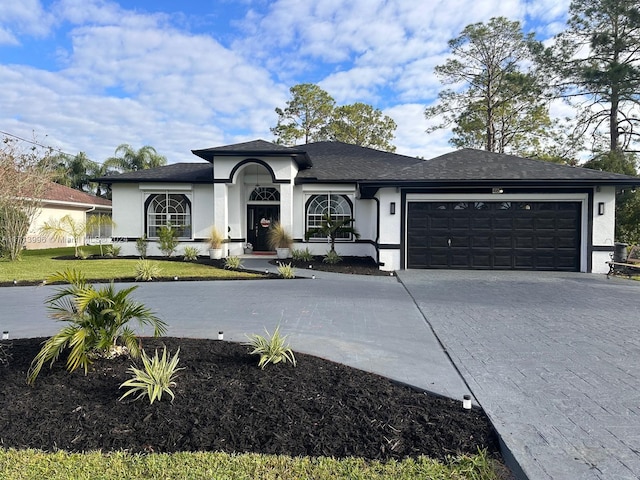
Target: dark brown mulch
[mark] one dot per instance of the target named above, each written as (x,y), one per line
(349,265)
(224,402)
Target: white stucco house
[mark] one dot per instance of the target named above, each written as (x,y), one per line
(469,209)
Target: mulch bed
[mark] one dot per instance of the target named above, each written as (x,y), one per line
(224,402)
(349,265)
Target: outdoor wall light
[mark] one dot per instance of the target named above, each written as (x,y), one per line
(392,208)
(600,208)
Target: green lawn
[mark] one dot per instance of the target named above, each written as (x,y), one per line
(36,265)
(32,464)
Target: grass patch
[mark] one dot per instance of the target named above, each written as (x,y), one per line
(33,464)
(36,265)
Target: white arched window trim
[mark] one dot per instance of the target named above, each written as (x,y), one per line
(168,207)
(339,206)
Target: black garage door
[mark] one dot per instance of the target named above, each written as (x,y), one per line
(494,235)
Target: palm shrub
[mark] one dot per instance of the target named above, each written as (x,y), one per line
(146,270)
(331,228)
(97,323)
(155,378)
(272,348)
(168,240)
(286,270)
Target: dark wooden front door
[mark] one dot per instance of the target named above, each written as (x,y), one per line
(259,219)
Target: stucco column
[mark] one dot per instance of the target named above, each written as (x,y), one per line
(286,206)
(221,210)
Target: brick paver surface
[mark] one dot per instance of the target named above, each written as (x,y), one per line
(554,359)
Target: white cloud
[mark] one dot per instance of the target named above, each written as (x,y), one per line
(125,76)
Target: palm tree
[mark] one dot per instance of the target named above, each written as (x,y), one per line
(97,319)
(67,227)
(128,159)
(330,227)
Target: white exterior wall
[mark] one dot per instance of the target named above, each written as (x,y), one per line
(390,231)
(603,227)
(35,240)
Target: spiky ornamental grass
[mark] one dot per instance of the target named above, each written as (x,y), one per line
(233,263)
(286,270)
(272,348)
(97,320)
(156,377)
(302,255)
(146,270)
(191,254)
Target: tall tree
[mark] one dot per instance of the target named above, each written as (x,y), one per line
(128,159)
(361,124)
(305,117)
(598,61)
(493,101)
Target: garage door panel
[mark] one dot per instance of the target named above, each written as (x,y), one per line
(498,235)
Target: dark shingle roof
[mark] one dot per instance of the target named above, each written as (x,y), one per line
(175,172)
(334,161)
(341,162)
(469,165)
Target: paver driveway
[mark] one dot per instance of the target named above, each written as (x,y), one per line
(554,359)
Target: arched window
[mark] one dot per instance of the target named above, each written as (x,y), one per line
(338,206)
(264,194)
(168,208)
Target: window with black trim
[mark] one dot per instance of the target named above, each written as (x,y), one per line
(168,208)
(338,206)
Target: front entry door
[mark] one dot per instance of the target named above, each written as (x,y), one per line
(259,219)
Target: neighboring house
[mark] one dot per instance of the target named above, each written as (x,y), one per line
(59,201)
(469,209)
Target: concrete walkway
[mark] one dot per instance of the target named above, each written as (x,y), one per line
(552,358)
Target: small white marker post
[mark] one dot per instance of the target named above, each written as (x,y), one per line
(466,402)
(220,335)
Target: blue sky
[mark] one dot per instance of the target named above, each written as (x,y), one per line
(88,75)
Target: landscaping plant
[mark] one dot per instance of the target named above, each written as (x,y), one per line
(112,251)
(272,348)
(97,323)
(141,246)
(302,255)
(168,240)
(279,237)
(286,270)
(146,270)
(332,228)
(332,257)
(191,254)
(233,263)
(156,377)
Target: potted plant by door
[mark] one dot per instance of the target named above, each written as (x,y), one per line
(215,241)
(280,240)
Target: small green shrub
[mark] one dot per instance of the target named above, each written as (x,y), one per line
(141,246)
(146,270)
(272,348)
(332,257)
(168,240)
(112,251)
(156,377)
(82,255)
(233,263)
(302,255)
(191,254)
(286,270)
